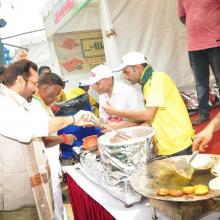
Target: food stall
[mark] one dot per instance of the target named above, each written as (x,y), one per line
(118,182)
(86,33)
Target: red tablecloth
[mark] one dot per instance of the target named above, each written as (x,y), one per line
(214,144)
(85,207)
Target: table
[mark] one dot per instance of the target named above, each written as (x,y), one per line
(90,202)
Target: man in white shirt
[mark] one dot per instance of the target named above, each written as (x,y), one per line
(20,130)
(115,93)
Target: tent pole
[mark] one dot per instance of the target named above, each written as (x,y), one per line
(109,35)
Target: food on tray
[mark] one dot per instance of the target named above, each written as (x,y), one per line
(214,184)
(200,190)
(200,186)
(203,161)
(175,193)
(188,190)
(164,175)
(162,192)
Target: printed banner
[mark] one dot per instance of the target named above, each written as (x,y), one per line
(63,7)
(79,51)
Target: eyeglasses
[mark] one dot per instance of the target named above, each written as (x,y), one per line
(35,83)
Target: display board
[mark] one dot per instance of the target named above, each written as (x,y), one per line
(79,51)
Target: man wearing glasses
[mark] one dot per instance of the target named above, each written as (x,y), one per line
(21,131)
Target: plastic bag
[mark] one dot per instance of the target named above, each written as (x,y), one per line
(72,106)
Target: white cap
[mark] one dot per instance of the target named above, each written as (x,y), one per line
(131,58)
(65,80)
(82,83)
(99,72)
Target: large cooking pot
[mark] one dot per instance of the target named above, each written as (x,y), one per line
(128,154)
(120,157)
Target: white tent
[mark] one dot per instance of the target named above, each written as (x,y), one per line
(39,51)
(151,27)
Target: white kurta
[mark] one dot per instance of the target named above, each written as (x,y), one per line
(19,126)
(52,154)
(16,122)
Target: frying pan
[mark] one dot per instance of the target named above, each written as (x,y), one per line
(141,182)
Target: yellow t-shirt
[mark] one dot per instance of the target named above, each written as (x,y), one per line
(74,92)
(174,130)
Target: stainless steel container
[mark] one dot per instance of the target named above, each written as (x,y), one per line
(120,158)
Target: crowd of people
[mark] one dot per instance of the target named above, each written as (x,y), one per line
(28,139)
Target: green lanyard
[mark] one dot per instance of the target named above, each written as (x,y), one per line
(39,99)
(148,72)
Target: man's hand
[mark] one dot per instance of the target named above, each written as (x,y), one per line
(109,127)
(201,140)
(109,109)
(70,138)
(84,118)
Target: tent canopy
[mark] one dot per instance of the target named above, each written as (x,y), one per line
(151,27)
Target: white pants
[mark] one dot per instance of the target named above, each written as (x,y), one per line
(55,167)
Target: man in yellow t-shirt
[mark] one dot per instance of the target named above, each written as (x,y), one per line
(165,109)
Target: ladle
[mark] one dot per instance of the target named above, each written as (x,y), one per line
(105,125)
(184,166)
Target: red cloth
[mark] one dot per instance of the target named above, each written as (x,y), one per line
(85,207)
(202,23)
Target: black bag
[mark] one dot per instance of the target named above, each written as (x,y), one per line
(72,106)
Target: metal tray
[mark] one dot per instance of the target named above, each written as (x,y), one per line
(140,182)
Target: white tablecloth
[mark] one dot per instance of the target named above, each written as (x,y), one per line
(139,211)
